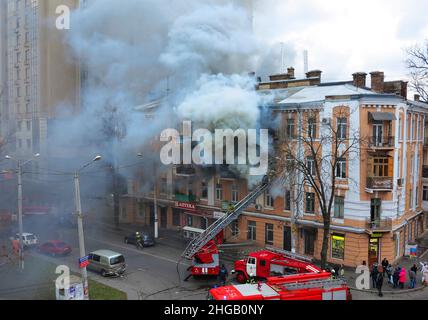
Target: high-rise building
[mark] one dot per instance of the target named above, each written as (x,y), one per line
(41,77)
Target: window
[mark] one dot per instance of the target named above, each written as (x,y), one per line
(425,193)
(189,220)
(269,233)
(27,107)
(342,128)
(400,130)
(190,188)
(375,206)
(235,193)
(28,143)
(204,188)
(339,207)
(235,228)
(309,236)
(269,201)
(287,200)
(252,227)
(312,128)
(204,223)
(380,167)
(311,166)
(219,192)
(19,125)
(341,169)
(310,202)
(290,129)
(338,247)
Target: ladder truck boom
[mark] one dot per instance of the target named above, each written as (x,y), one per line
(212,231)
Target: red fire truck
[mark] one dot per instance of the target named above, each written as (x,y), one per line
(272,262)
(310,286)
(206,262)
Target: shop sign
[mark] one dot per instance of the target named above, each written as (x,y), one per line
(185,205)
(218,215)
(376,235)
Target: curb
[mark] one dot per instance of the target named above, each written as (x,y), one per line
(389,292)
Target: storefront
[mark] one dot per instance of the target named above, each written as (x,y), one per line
(374,248)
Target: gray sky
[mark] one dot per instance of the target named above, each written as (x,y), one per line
(345,36)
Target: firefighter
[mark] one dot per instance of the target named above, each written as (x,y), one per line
(223,275)
(138,240)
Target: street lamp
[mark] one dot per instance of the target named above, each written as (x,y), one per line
(155,203)
(79,214)
(20,223)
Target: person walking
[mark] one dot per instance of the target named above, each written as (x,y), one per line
(374,275)
(396,276)
(402,278)
(223,275)
(412,277)
(424,271)
(379,280)
(389,274)
(385,264)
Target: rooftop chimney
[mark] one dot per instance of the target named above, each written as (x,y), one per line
(417,97)
(359,79)
(290,72)
(314,74)
(378,81)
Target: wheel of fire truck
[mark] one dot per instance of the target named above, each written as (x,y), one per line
(241,277)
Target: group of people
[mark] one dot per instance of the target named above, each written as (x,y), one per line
(397,276)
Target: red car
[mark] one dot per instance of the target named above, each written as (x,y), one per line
(55,248)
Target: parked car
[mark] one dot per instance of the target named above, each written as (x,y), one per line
(55,248)
(29,239)
(148,240)
(107,263)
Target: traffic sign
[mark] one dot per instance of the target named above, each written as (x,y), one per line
(84,262)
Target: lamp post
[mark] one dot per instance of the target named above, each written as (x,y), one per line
(155,203)
(79,214)
(20,222)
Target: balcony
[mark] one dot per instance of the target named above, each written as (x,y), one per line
(380,183)
(379,224)
(185,198)
(185,170)
(387,142)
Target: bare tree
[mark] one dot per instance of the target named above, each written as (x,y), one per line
(313,159)
(417,63)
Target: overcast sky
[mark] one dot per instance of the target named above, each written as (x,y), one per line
(345,36)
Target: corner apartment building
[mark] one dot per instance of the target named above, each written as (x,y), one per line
(378,206)
(40,77)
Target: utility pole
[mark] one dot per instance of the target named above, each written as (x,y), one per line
(79,214)
(82,250)
(20,223)
(156,208)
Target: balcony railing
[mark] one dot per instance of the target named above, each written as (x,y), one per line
(185,198)
(379,224)
(382,142)
(380,183)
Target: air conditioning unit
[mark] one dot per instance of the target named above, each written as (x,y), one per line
(259,207)
(326,121)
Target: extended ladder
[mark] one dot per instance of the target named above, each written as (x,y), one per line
(290,254)
(213,230)
(325,283)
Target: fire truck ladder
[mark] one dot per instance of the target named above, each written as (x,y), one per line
(326,283)
(213,230)
(290,254)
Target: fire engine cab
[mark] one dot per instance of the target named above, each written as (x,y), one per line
(310,286)
(271,262)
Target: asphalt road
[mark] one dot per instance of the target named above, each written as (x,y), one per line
(151,272)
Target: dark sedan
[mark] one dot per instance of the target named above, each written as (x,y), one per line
(148,240)
(55,248)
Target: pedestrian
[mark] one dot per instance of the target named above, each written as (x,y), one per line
(385,264)
(402,278)
(374,275)
(223,275)
(396,276)
(379,280)
(389,273)
(412,277)
(424,271)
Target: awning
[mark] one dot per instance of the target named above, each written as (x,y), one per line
(382,116)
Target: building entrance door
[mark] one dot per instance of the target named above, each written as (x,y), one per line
(373,251)
(163,221)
